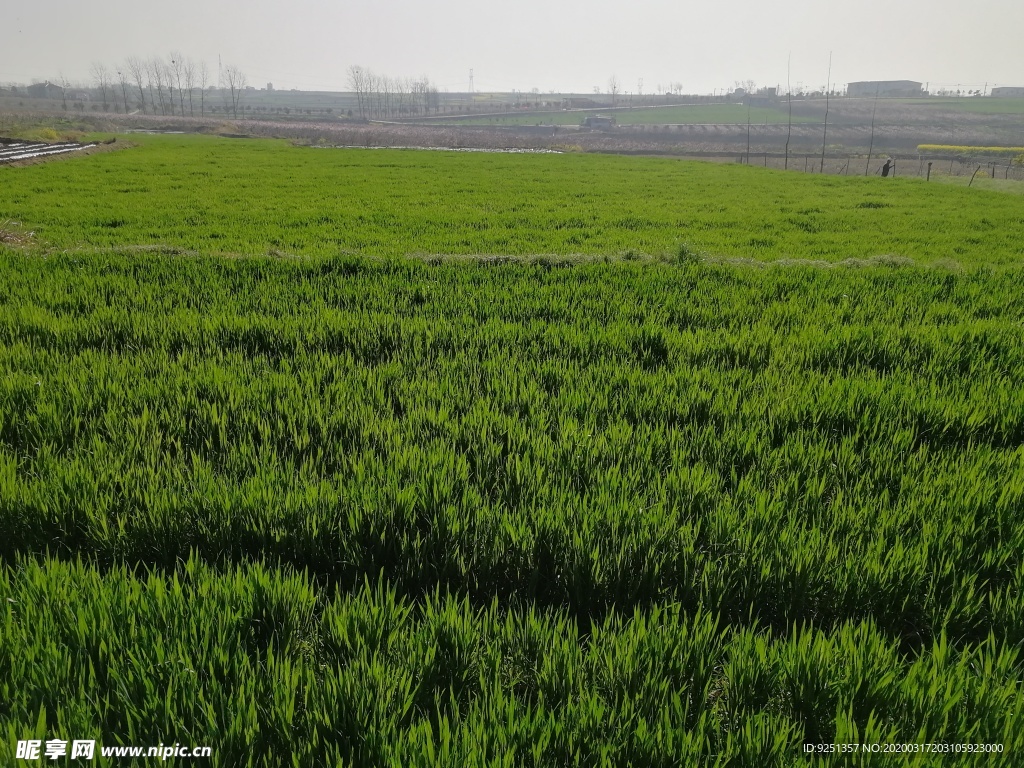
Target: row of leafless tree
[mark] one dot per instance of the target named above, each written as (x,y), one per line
(175,85)
(381,97)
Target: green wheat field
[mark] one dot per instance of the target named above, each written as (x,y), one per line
(330,457)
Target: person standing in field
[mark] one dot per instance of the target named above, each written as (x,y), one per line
(886,168)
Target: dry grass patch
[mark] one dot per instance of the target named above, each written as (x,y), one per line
(12,233)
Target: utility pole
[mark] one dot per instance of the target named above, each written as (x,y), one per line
(824,134)
(789,89)
(748,128)
(871,145)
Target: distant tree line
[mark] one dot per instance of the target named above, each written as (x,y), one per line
(381,97)
(177,85)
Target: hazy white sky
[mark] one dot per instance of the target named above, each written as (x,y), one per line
(566,45)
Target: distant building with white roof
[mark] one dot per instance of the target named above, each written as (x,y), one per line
(884,88)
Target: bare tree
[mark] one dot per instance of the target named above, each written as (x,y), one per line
(357,82)
(155,74)
(64,85)
(613,87)
(369,81)
(204,79)
(137,69)
(122,78)
(237,82)
(167,79)
(101,77)
(224,91)
(178,70)
(419,92)
(384,85)
(190,83)
(401,85)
